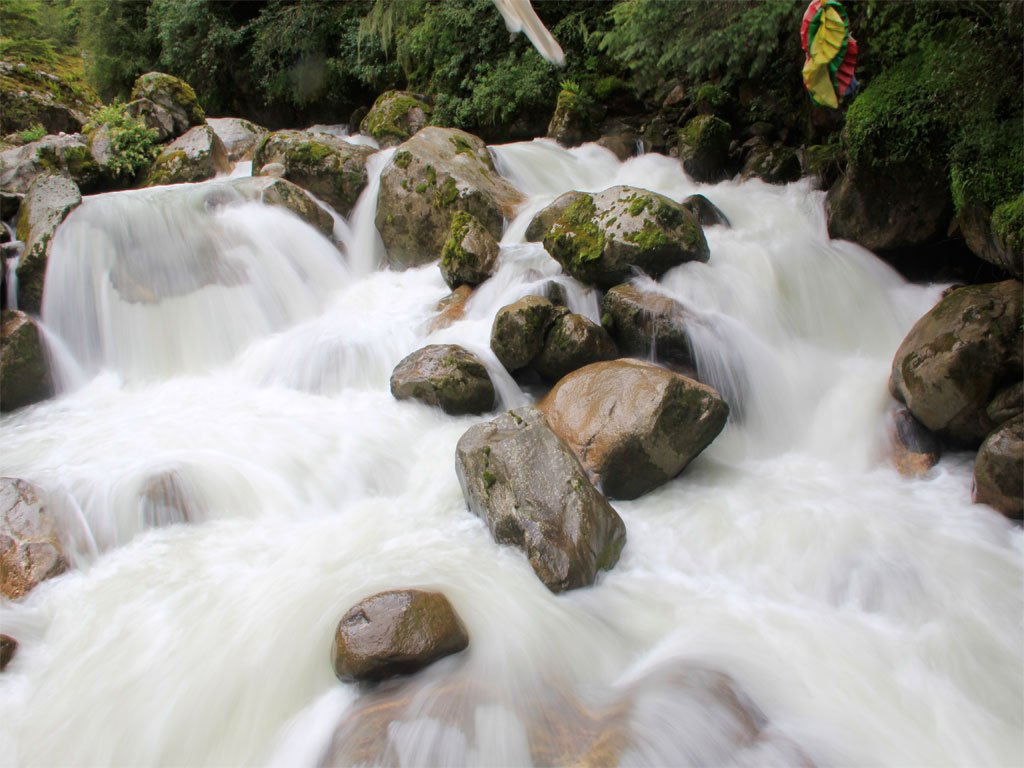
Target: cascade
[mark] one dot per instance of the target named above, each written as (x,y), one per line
(227,366)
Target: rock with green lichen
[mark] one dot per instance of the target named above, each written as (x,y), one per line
(958,357)
(446,376)
(704,148)
(48,202)
(470,253)
(773,163)
(519,331)
(54,95)
(51,155)
(573,120)
(173,95)
(999,469)
(284,194)
(156,118)
(25,376)
(519,477)
(632,424)
(240,137)
(435,174)
(572,342)
(601,239)
(326,166)
(648,325)
(196,155)
(542,222)
(996,236)
(395,117)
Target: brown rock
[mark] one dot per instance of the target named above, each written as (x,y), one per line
(519,330)
(8,645)
(648,325)
(572,342)
(915,450)
(451,308)
(634,425)
(25,376)
(999,469)
(396,633)
(446,376)
(30,551)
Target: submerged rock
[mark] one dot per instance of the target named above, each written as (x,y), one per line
(438,172)
(283,194)
(50,156)
(398,632)
(25,376)
(999,469)
(633,425)
(329,167)
(196,155)
(915,450)
(648,325)
(601,239)
(959,356)
(30,550)
(174,96)
(446,376)
(8,645)
(165,499)
(239,136)
(395,117)
(470,255)
(49,201)
(525,482)
(451,308)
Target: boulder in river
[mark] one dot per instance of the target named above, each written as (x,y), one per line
(648,325)
(600,239)
(446,376)
(30,550)
(436,173)
(8,645)
(283,194)
(470,254)
(519,330)
(394,117)
(707,213)
(773,163)
(239,136)
(25,376)
(999,469)
(48,202)
(634,425)
(50,156)
(397,632)
(525,482)
(991,236)
(704,148)
(325,165)
(915,449)
(172,95)
(572,342)
(958,357)
(196,155)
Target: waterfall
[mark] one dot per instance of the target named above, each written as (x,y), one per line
(234,372)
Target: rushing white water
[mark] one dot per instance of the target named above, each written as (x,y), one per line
(235,357)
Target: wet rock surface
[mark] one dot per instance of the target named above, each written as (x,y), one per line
(470,254)
(572,342)
(519,331)
(648,325)
(240,137)
(25,375)
(282,193)
(50,200)
(8,646)
(30,550)
(196,155)
(915,450)
(999,469)
(446,376)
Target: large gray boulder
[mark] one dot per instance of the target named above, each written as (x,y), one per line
(470,254)
(435,174)
(196,155)
(525,482)
(396,633)
(446,376)
(30,549)
(283,194)
(958,357)
(50,156)
(173,96)
(240,137)
(601,238)
(49,201)
(25,376)
(394,117)
(999,469)
(633,425)
(329,167)
(648,325)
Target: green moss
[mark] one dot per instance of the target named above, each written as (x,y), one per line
(1008,223)
(166,89)
(79,162)
(489,479)
(988,164)
(462,147)
(637,204)
(608,87)
(167,168)
(403,158)
(668,215)
(447,194)
(421,188)
(431,175)
(578,239)
(705,132)
(387,117)
(309,153)
(452,254)
(711,95)
(48,159)
(649,238)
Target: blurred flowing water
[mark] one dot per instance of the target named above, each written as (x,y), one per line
(224,364)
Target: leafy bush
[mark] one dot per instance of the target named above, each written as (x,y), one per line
(34,132)
(133,146)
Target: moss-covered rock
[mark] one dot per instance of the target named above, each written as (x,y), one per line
(648,325)
(25,376)
(397,632)
(52,155)
(284,194)
(49,201)
(156,118)
(600,239)
(542,222)
(773,163)
(704,148)
(572,122)
(30,548)
(572,342)
(196,155)
(519,331)
(328,167)
(525,482)
(957,357)
(438,172)
(446,376)
(633,425)
(55,95)
(996,236)
(999,469)
(173,95)
(470,253)
(395,117)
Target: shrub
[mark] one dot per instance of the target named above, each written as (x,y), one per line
(132,145)
(34,132)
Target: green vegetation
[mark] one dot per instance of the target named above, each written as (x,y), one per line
(452,254)
(578,239)
(388,118)
(1008,223)
(34,132)
(132,145)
